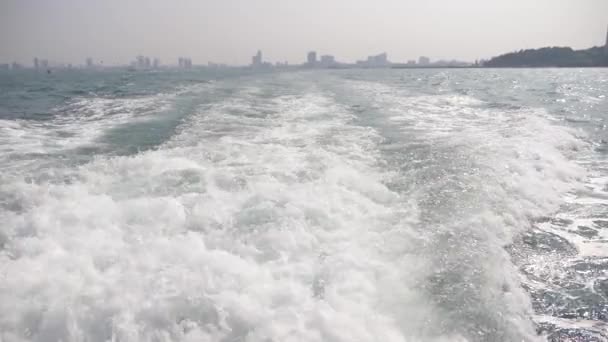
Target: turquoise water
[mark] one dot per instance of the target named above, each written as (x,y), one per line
(346,205)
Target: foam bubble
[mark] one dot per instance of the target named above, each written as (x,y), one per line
(274,230)
(289,218)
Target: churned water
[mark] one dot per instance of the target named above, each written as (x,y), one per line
(352,205)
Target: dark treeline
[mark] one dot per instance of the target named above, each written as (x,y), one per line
(551,57)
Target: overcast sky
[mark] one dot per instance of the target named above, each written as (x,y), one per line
(231,31)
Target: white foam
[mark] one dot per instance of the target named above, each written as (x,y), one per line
(599,328)
(79,123)
(522,153)
(271,231)
(519,161)
(270,219)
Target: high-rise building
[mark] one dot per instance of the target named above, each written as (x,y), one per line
(156,63)
(36,63)
(311,58)
(380,60)
(377,61)
(327,61)
(606,46)
(424,60)
(141,62)
(183,62)
(89,62)
(256,60)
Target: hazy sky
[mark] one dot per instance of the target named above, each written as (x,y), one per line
(232,30)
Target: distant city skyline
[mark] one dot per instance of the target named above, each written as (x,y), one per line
(561,56)
(112,31)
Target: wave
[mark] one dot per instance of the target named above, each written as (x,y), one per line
(481,176)
(292,209)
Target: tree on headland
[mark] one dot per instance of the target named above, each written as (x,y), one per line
(551,57)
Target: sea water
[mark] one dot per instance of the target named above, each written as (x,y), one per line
(336,205)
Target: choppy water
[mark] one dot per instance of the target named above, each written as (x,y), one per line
(392,205)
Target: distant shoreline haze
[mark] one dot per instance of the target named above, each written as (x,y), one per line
(596,56)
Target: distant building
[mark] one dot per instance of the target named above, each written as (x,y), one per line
(16,66)
(377,61)
(256,61)
(89,62)
(311,58)
(327,61)
(140,62)
(424,60)
(36,63)
(411,62)
(4,66)
(184,62)
(44,63)
(156,63)
(606,46)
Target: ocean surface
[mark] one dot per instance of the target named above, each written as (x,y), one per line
(344,205)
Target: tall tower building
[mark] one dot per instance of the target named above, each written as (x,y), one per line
(606,46)
(311,58)
(257,59)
